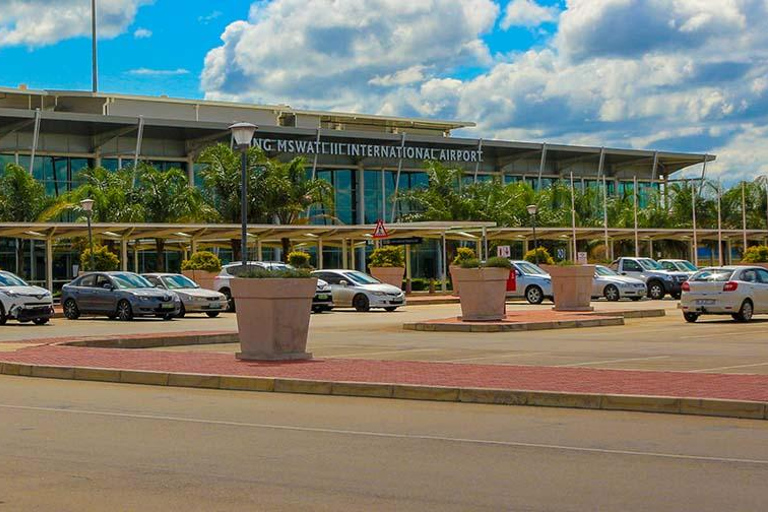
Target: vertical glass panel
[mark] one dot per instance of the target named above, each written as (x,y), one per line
(373,196)
(110,164)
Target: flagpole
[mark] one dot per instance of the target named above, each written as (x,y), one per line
(637,238)
(573,219)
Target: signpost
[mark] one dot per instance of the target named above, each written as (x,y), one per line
(560,253)
(413,240)
(503,251)
(581,258)
(380,231)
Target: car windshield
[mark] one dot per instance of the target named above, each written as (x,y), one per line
(239,270)
(361,278)
(649,264)
(130,281)
(685,266)
(178,282)
(11,280)
(529,268)
(604,271)
(712,275)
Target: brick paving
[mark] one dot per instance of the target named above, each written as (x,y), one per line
(556,379)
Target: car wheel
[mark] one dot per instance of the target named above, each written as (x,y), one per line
(745,312)
(691,317)
(124,311)
(611,293)
(361,303)
(71,311)
(212,314)
(230,301)
(534,295)
(656,290)
(390,309)
(182,311)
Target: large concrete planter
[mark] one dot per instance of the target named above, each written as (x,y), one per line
(454,279)
(389,275)
(201,277)
(273,317)
(572,287)
(483,293)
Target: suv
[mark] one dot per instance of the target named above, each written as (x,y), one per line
(22,302)
(679,266)
(322,301)
(659,282)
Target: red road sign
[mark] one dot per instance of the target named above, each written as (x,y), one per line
(380,231)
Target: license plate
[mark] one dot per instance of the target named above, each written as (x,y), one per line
(323,297)
(214,306)
(704,302)
(168,305)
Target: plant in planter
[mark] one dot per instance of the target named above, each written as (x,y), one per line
(202,267)
(273,310)
(387,264)
(483,288)
(103,259)
(539,256)
(462,254)
(299,259)
(755,254)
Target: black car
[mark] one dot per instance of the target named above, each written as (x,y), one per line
(122,295)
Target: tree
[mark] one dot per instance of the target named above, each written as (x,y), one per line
(441,200)
(167,197)
(221,177)
(22,199)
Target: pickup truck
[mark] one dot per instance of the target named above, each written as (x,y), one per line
(659,282)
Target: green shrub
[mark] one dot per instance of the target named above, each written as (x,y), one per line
(418,284)
(202,260)
(387,256)
(299,259)
(463,254)
(756,254)
(471,263)
(540,255)
(265,273)
(103,259)
(498,262)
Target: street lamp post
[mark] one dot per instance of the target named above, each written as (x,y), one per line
(87,206)
(532,211)
(243,135)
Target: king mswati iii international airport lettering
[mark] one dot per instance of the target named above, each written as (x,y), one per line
(307,147)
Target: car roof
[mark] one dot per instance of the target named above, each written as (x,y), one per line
(160,274)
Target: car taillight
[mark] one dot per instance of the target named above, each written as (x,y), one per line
(730,286)
(686,287)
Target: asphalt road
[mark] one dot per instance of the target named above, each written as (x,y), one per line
(79,446)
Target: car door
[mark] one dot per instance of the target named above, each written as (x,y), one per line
(522,280)
(761,298)
(598,285)
(103,295)
(632,268)
(83,293)
(340,297)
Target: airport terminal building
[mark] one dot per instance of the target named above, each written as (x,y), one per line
(56,133)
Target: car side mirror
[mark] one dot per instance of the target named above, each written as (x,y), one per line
(518,273)
(343,282)
(108,286)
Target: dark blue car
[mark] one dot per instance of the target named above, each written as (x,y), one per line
(122,295)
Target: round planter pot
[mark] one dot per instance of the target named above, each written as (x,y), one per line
(572,287)
(273,317)
(201,277)
(389,275)
(483,293)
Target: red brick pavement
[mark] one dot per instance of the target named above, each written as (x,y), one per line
(574,380)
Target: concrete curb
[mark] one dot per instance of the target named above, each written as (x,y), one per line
(514,326)
(169,340)
(635,403)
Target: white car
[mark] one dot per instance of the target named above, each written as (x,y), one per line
(613,287)
(739,291)
(193,298)
(531,282)
(22,302)
(679,266)
(351,288)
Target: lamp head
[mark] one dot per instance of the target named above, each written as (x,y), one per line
(87,205)
(243,133)
(532,209)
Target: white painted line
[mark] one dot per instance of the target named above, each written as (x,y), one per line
(397,351)
(386,435)
(495,356)
(712,335)
(728,367)
(608,361)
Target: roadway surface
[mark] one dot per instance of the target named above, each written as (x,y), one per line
(716,345)
(80,446)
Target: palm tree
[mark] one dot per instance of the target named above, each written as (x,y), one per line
(222,183)
(22,199)
(442,199)
(167,197)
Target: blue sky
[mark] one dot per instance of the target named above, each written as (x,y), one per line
(683,75)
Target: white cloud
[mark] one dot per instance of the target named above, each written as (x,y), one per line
(528,13)
(36,23)
(158,72)
(142,33)
(209,17)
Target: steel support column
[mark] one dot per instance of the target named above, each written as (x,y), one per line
(397,177)
(49,263)
(35,140)
(124,254)
(542,163)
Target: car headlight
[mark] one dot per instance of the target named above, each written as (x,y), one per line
(9,293)
(379,294)
(144,298)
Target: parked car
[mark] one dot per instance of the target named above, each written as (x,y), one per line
(659,282)
(679,266)
(23,302)
(739,291)
(193,298)
(322,301)
(613,286)
(351,288)
(531,282)
(122,295)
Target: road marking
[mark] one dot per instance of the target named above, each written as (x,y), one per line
(399,351)
(615,361)
(712,335)
(386,435)
(495,356)
(728,367)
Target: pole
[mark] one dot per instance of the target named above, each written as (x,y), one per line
(693,216)
(573,218)
(244,206)
(535,241)
(637,240)
(744,214)
(90,240)
(93,48)
(719,227)
(605,219)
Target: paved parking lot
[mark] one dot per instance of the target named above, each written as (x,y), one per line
(660,344)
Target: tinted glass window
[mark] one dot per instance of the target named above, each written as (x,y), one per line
(604,271)
(649,264)
(102,280)
(329,277)
(128,281)
(750,276)
(712,274)
(668,265)
(360,278)
(89,280)
(762,275)
(177,282)
(11,280)
(529,268)
(632,266)
(152,279)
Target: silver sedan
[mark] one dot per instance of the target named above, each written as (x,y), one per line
(193,298)
(613,287)
(739,291)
